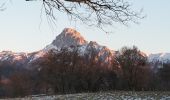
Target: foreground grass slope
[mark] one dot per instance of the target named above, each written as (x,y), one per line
(117,95)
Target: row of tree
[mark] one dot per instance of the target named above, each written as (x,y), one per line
(67,72)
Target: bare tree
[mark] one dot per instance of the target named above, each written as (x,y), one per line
(97,13)
(164,76)
(2,6)
(133,64)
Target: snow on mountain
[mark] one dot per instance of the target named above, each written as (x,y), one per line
(50,47)
(11,56)
(21,57)
(72,40)
(34,56)
(163,57)
(103,53)
(69,37)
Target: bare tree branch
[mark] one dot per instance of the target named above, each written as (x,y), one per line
(2,6)
(94,12)
(3,3)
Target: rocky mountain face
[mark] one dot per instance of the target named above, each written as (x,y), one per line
(72,40)
(69,39)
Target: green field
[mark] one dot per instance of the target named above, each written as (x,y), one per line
(121,95)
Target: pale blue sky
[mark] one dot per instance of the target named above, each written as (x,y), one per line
(21,28)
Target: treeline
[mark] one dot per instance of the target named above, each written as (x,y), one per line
(67,72)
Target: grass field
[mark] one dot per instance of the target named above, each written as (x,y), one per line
(121,95)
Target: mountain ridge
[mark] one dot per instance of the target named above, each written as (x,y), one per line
(69,38)
(163,57)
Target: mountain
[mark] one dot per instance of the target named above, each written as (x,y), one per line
(69,39)
(72,40)
(160,57)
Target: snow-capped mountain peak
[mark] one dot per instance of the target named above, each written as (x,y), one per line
(70,31)
(69,37)
(159,57)
(72,40)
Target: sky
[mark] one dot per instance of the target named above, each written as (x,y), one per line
(23,28)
